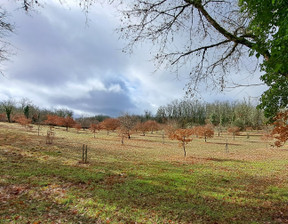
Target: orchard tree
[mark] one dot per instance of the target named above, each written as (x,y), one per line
(234,131)
(152,125)
(127,124)
(206,131)
(78,127)
(52,120)
(168,129)
(280,131)
(55,120)
(142,127)
(23,120)
(182,135)
(67,122)
(94,127)
(110,124)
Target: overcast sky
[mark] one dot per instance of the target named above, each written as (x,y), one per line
(61,62)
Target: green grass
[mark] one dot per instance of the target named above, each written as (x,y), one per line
(142,181)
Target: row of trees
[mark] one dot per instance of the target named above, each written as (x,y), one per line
(178,115)
(187,113)
(127,125)
(12,111)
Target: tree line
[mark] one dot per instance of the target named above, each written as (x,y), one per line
(189,113)
(185,113)
(177,120)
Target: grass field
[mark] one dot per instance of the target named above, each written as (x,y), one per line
(142,181)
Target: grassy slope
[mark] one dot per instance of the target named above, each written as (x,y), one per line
(143,181)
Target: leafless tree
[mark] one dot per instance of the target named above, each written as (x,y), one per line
(6,28)
(210,36)
(127,124)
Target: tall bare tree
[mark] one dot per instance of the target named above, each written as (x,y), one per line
(210,36)
(213,37)
(6,28)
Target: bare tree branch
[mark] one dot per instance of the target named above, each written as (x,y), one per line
(199,49)
(166,24)
(244,85)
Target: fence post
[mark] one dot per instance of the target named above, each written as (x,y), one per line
(83,148)
(84,153)
(226,146)
(86,149)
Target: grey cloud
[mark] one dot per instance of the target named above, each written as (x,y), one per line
(56,50)
(63,62)
(102,102)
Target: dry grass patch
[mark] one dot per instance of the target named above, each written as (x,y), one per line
(143,181)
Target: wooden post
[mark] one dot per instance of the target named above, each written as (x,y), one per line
(122,139)
(84,153)
(86,149)
(83,148)
(226,146)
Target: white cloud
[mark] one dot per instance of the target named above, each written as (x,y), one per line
(62,61)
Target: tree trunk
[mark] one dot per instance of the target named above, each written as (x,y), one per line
(122,139)
(184,149)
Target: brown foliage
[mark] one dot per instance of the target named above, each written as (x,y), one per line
(147,126)
(3,117)
(67,122)
(141,127)
(182,135)
(55,120)
(234,131)
(95,127)
(78,126)
(205,132)
(280,131)
(110,124)
(151,125)
(21,119)
(52,120)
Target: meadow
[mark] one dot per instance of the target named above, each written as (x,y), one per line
(145,180)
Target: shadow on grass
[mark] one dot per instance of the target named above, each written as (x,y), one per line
(223,143)
(155,192)
(24,195)
(217,159)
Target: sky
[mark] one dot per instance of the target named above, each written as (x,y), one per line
(63,60)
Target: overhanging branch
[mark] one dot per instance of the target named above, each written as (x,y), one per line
(199,49)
